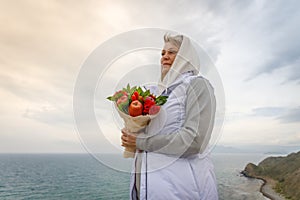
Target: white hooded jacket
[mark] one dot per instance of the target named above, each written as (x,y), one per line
(174,164)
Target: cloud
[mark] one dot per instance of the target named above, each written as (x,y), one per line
(268,111)
(284,115)
(43,45)
(53,115)
(291,116)
(277,29)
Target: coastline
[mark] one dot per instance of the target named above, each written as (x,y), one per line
(267,188)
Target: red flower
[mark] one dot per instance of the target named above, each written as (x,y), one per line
(148,103)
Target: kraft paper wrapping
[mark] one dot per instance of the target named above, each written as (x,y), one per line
(134,125)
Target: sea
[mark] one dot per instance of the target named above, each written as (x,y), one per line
(81,176)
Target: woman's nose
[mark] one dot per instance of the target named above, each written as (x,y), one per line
(166,56)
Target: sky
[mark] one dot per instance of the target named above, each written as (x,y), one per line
(254,45)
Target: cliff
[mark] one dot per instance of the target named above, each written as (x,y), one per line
(282,173)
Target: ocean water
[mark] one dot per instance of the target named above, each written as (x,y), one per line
(231,184)
(80,176)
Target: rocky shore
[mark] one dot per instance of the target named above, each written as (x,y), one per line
(267,187)
(280,176)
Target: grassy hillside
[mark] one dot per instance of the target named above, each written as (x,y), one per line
(284,170)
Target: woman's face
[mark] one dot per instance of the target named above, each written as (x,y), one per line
(168,55)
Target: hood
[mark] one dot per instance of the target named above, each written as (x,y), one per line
(187,60)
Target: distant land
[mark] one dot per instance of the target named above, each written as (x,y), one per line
(282,174)
(262,149)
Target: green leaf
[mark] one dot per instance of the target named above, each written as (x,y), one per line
(132,90)
(161,100)
(110,98)
(128,88)
(140,91)
(146,93)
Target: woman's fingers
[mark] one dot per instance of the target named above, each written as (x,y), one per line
(131,138)
(124,130)
(127,144)
(123,138)
(128,139)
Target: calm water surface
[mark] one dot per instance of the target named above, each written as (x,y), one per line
(80,176)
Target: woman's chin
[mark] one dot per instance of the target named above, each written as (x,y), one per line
(165,68)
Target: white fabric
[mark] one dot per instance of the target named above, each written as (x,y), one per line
(189,119)
(178,179)
(170,177)
(186,59)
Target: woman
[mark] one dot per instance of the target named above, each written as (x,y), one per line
(173,162)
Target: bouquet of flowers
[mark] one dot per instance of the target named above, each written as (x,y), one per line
(136,107)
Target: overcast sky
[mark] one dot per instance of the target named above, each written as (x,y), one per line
(253,44)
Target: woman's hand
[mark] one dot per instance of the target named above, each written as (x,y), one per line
(128,139)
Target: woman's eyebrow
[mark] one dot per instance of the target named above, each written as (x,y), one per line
(172,49)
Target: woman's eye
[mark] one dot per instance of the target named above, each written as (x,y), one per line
(169,52)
